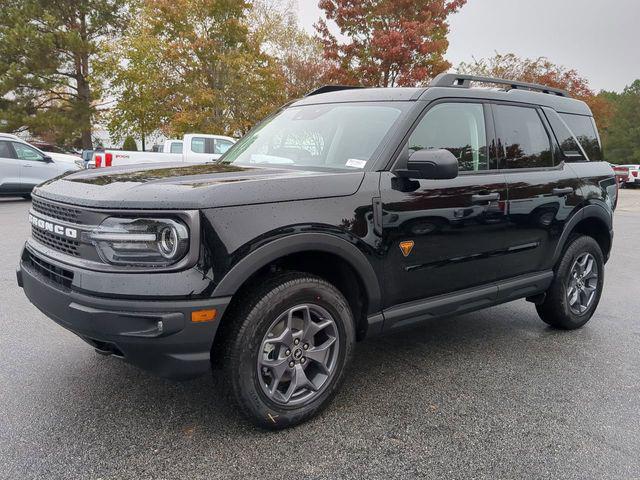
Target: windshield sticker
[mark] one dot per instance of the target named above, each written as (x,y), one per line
(356,163)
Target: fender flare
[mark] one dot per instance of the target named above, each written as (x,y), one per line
(590,211)
(302,242)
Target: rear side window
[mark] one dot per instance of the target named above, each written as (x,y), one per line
(584,130)
(566,140)
(176,147)
(457,127)
(522,139)
(202,145)
(5,150)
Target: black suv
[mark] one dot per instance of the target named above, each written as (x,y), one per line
(347,214)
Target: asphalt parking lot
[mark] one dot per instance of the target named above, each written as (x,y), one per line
(494,394)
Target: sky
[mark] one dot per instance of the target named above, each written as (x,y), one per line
(598,38)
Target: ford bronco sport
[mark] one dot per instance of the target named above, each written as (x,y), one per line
(349,213)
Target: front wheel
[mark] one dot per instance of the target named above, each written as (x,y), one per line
(286,351)
(575,291)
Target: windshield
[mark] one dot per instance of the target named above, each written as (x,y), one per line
(332,136)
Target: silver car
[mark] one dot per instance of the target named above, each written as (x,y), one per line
(22,166)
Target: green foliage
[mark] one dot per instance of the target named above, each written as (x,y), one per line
(130,144)
(192,66)
(621,137)
(48,54)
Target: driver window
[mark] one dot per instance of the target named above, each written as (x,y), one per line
(457,127)
(25,152)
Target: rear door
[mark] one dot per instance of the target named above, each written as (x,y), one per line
(9,169)
(441,236)
(34,167)
(542,188)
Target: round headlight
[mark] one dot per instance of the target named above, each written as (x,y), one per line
(168,243)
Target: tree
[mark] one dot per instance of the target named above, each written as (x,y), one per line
(203,71)
(390,42)
(621,137)
(540,70)
(138,84)
(297,54)
(48,54)
(130,145)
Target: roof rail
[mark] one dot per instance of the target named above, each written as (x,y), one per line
(331,88)
(464,81)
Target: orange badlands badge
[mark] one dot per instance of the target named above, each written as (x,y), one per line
(406,247)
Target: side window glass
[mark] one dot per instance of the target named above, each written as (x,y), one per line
(522,138)
(457,127)
(5,150)
(222,146)
(198,145)
(584,130)
(176,147)
(25,152)
(568,144)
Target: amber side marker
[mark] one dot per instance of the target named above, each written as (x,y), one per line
(406,247)
(199,316)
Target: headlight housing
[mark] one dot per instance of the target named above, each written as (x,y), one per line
(156,242)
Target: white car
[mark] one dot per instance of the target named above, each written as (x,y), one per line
(23,166)
(193,148)
(634,175)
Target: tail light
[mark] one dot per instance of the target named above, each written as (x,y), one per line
(634,173)
(108,158)
(98,161)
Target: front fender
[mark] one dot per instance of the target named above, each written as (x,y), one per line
(302,242)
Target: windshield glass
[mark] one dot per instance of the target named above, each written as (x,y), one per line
(332,136)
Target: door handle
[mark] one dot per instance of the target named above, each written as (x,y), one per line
(563,191)
(485,198)
(26,165)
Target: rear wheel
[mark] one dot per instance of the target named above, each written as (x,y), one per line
(575,292)
(287,349)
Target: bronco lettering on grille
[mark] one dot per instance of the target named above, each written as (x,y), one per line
(52,227)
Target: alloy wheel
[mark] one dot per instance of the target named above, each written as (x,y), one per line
(298,355)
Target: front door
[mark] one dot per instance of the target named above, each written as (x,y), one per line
(34,167)
(441,236)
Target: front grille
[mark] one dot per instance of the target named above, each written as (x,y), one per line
(55,274)
(54,210)
(51,240)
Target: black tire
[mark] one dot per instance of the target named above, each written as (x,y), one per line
(556,310)
(253,316)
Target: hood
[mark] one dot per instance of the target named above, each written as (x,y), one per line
(194,186)
(63,157)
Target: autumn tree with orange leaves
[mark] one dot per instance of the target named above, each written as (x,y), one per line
(541,70)
(388,42)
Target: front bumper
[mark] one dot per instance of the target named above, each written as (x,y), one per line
(155,335)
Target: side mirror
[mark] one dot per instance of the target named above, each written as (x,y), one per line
(431,164)
(48,159)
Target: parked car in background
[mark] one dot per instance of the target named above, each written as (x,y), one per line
(633,175)
(23,166)
(622,174)
(193,148)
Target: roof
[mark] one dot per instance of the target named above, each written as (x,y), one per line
(452,86)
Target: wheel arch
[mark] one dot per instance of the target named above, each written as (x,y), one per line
(336,260)
(593,220)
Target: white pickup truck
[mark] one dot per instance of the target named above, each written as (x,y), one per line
(193,148)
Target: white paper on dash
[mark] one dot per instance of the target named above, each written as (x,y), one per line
(355,163)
